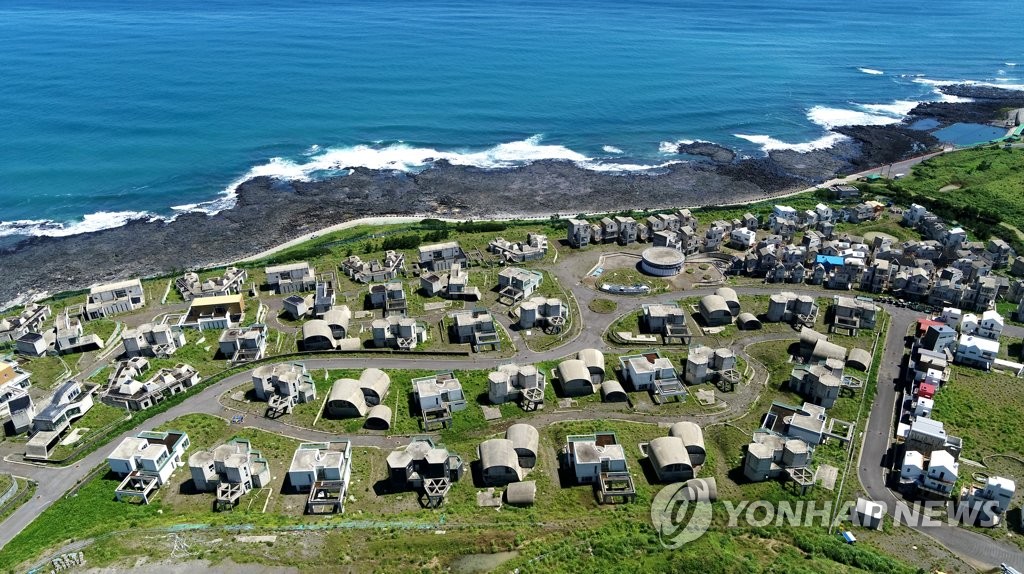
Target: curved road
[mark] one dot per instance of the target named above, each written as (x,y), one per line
(981,550)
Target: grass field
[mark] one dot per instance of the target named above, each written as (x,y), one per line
(984,409)
(603,306)
(987,184)
(566,531)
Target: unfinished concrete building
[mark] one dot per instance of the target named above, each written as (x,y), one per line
(599,459)
(452,285)
(850,315)
(441,256)
(652,373)
(243,344)
(191,287)
(437,397)
(291,278)
(788,307)
(402,333)
(283,386)
(114,298)
(477,328)
(149,340)
(534,248)
(548,313)
(145,462)
(165,383)
(516,283)
(354,398)
(231,470)
(507,460)
(707,365)
(390,297)
(324,470)
(522,384)
(582,375)
(820,384)
(667,320)
(425,467)
(678,456)
(374,271)
(30,320)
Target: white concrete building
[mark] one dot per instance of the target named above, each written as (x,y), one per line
(291,277)
(324,469)
(976,352)
(149,340)
(113,298)
(943,472)
(13,382)
(145,462)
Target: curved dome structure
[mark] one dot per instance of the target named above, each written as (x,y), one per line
(661,261)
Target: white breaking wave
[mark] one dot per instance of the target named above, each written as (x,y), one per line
(90,222)
(1010,63)
(941,83)
(769,143)
(830,118)
(899,108)
(673,147)
(611,149)
(871,71)
(401,156)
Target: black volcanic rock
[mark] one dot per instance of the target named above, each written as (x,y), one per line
(269,212)
(714,151)
(988,104)
(886,144)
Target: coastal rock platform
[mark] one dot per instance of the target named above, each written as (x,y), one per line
(269,212)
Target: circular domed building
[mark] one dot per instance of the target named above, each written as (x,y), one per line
(661,261)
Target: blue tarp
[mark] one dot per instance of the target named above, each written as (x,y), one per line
(829,260)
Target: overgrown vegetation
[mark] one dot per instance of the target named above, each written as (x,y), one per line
(979,188)
(603,306)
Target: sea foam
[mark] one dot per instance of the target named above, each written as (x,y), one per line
(401,156)
(769,143)
(871,71)
(829,118)
(89,223)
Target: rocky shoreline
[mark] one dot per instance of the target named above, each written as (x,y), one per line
(269,212)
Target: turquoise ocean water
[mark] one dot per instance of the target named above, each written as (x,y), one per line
(110,110)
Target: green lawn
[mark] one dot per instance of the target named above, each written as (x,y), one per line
(988,181)
(886,224)
(984,409)
(633,277)
(102,327)
(603,306)
(99,421)
(46,371)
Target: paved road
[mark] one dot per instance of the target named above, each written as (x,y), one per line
(979,550)
(53,482)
